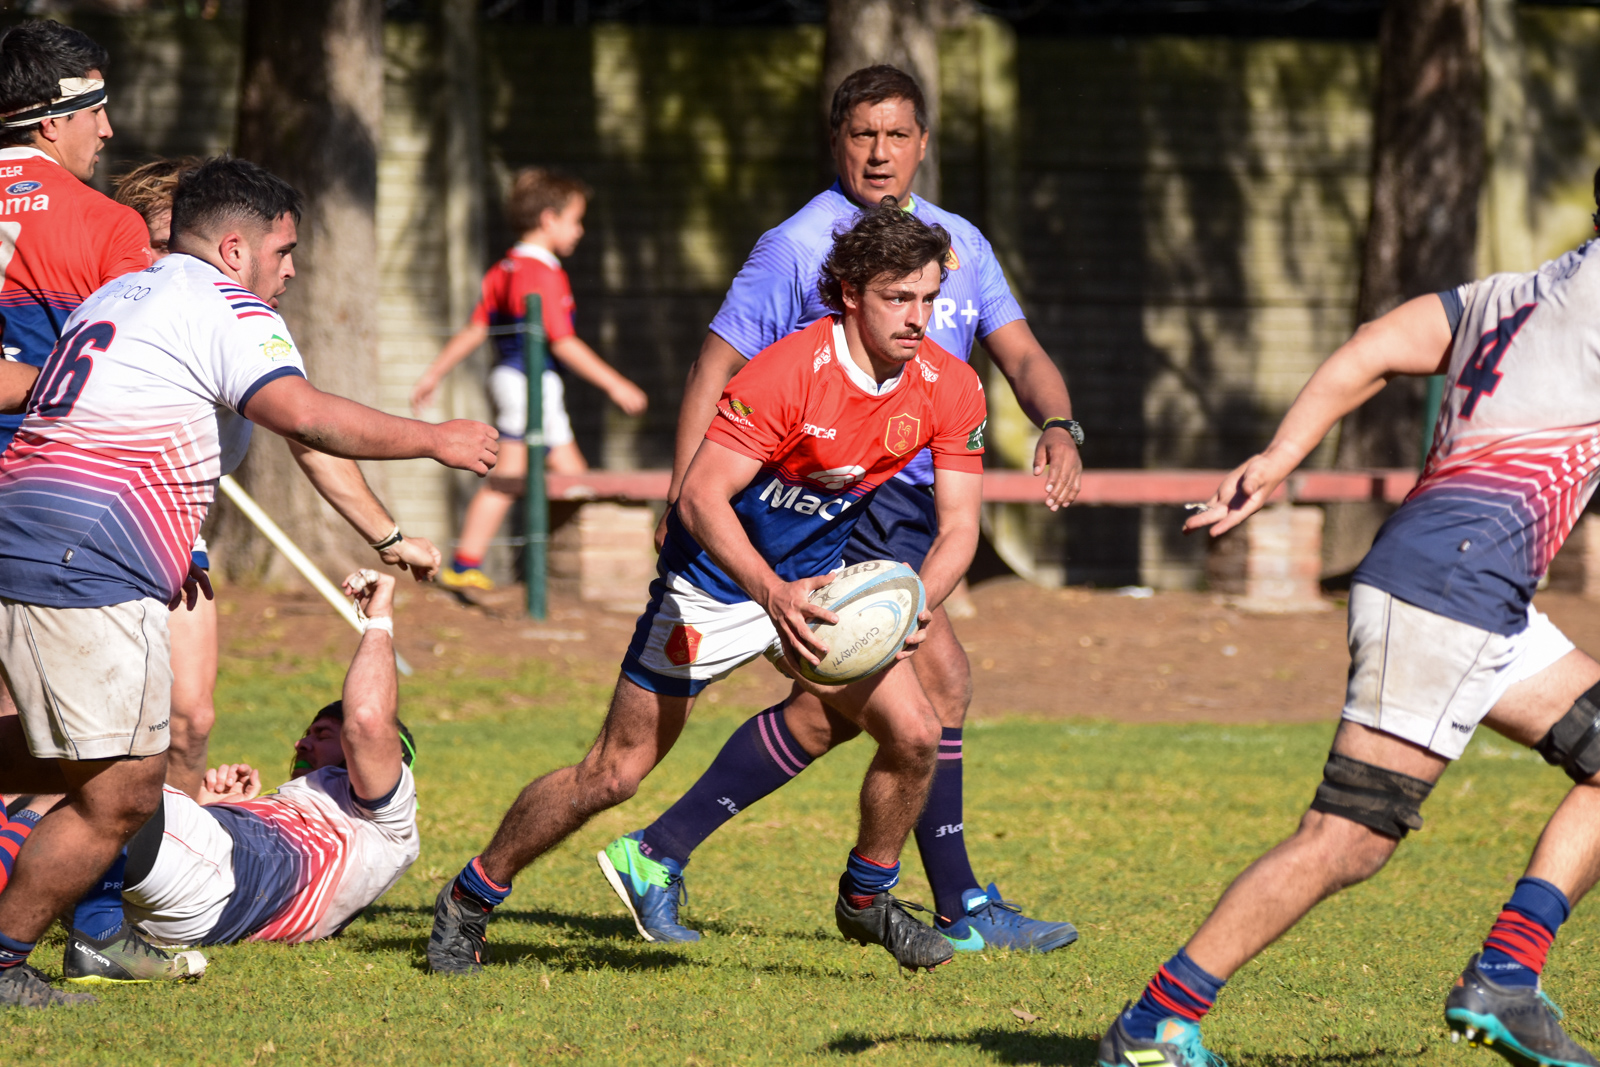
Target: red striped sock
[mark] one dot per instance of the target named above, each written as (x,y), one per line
(1521,938)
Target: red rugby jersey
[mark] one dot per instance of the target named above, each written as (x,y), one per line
(825,441)
(525,270)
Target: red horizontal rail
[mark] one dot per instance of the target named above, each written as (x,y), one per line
(1108,487)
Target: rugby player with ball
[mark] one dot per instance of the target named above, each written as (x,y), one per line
(805,434)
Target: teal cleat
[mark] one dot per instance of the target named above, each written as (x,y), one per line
(1520,1023)
(1177,1044)
(650,889)
(990,921)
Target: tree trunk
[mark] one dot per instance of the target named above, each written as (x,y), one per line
(1427,172)
(310,108)
(903,33)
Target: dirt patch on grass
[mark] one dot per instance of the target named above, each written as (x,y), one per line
(1072,653)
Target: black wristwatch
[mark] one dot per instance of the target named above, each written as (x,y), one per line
(1069,425)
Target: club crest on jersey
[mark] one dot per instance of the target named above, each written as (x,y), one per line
(683,645)
(277,348)
(902,434)
(836,478)
(18,188)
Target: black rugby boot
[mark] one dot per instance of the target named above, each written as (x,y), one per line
(1519,1022)
(888,922)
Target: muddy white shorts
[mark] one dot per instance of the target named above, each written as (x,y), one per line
(1431,680)
(685,640)
(508,392)
(90,683)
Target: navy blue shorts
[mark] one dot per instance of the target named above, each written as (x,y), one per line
(900,525)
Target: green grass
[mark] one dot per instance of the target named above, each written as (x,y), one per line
(1130,831)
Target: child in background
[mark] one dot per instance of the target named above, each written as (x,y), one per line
(547,208)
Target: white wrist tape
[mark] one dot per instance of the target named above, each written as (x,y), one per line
(385,624)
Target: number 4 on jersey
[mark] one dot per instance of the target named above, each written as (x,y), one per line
(1480,376)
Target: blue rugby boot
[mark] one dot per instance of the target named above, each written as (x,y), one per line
(1177,1044)
(1520,1023)
(650,889)
(990,921)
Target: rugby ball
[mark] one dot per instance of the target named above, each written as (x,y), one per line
(877,603)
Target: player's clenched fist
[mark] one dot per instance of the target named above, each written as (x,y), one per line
(467,445)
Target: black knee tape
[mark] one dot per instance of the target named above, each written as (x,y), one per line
(1387,801)
(1573,743)
(144,846)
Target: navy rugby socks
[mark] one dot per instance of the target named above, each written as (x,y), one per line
(13,952)
(1515,950)
(99,914)
(760,757)
(865,878)
(480,887)
(1179,990)
(940,835)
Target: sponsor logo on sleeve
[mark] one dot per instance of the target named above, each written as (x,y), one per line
(975,438)
(951,260)
(683,645)
(928,373)
(902,434)
(827,433)
(741,407)
(278,348)
(825,356)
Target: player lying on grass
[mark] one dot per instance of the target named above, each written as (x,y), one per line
(299,863)
(807,433)
(879,134)
(147,400)
(1443,636)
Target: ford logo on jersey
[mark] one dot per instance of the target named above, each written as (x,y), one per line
(18,188)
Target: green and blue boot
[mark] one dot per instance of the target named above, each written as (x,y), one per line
(650,889)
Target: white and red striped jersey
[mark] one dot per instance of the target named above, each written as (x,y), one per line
(1515,452)
(295,865)
(135,416)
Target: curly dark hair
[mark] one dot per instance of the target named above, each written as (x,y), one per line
(885,241)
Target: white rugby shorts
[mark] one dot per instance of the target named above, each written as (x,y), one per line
(685,640)
(90,683)
(508,393)
(1431,680)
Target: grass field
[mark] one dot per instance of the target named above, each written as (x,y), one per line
(1130,831)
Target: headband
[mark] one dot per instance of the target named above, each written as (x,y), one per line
(77,94)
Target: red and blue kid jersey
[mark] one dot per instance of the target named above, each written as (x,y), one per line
(826,436)
(59,241)
(527,269)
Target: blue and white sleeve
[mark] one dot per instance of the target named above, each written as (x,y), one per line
(767,298)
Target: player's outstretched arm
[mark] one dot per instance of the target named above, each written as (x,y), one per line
(294,408)
(458,348)
(341,483)
(371,730)
(718,472)
(1414,338)
(1042,392)
(16,383)
(586,363)
(713,369)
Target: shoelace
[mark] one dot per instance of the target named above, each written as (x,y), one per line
(1013,916)
(1196,1052)
(679,889)
(908,906)
(141,946)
